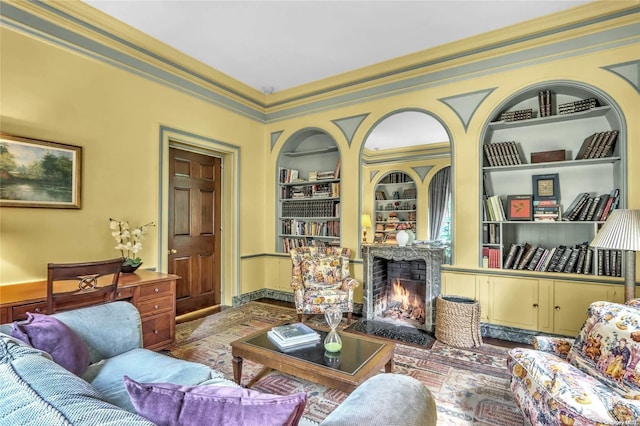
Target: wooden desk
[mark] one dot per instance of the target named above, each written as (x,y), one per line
(153,293)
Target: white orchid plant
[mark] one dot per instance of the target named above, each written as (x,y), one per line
(129,240)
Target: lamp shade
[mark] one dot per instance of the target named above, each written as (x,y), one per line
(621,231)
(366,221)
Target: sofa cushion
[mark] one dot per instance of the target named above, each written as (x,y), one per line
(54,337)
(607,346)
(146,366)
(36,391)
(169,404)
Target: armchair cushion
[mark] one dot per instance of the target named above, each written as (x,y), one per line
(56,338)
(322,272)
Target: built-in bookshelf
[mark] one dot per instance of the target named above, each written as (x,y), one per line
(395,203)
(551,174)
(308,193)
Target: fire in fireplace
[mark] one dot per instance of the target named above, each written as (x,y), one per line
(404,302)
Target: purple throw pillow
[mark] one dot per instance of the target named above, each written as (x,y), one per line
(56,338)
(166,404)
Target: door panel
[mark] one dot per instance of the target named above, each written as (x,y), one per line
(194,226)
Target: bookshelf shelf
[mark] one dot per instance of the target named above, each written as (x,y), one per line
(308,192)
(507,173)
(395,202)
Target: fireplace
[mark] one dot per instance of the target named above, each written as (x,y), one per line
(401,285)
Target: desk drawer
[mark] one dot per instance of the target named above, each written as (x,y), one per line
(153,306)
(152,290)
(157,331)
(20,312)
(125,293)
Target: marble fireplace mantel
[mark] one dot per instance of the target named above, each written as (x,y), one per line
(432,257)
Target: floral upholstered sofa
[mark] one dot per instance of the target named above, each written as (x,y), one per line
(593,379)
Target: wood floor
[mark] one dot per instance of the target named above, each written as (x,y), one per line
(488,340)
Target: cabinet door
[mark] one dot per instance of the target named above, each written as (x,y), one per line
(572,299)
(513,302)
(456,284)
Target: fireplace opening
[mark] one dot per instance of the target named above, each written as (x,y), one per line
(403,302)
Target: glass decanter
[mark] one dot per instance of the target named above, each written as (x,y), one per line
(333,316)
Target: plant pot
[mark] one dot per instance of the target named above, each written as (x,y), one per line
(129,269)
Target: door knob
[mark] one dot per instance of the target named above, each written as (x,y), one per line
(173,251)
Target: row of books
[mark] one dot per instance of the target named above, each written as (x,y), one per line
(493,210)
(329,228)
(316,190)
(586,207)
(288,175)
(302,241)
(502,154)
(523,114)
(491,257)
(576,259)
(294,336)
(544,103)
(490,233)
(548,210)
(598,145)
(577,106)
(610,262)
(310,208)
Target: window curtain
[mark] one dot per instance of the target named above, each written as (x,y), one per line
(439,194)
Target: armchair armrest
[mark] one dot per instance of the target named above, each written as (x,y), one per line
(349,284)
(559,346)
(633,302)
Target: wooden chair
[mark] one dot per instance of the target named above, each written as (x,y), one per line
(74,285)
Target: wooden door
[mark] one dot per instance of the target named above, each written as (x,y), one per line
(194,229)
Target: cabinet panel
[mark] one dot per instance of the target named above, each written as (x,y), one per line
(514,302)
(459,285)
(572,299)
(158,330)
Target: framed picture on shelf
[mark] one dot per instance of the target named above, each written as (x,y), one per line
(546,187)
(519,207)
(39,173)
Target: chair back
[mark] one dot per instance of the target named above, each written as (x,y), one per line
(74,285)
(320,266)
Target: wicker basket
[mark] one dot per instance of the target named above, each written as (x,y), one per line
(458,321)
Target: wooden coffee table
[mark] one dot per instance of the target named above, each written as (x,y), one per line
(361,357)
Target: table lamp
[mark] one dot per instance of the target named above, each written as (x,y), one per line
(366,223)
(621,231)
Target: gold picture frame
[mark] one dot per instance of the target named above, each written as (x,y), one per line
(37,173)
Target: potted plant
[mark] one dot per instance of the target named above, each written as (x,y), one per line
(129,242)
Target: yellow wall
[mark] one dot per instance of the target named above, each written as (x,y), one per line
(55,93)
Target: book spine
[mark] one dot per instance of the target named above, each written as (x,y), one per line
(535,259)
(511,255)
(529,251)
(566,254)
(587,261)
(556,257)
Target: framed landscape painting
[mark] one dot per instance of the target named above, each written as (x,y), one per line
(35,173)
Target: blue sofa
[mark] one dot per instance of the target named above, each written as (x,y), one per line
(36,391)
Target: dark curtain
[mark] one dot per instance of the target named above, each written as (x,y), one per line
(439,194)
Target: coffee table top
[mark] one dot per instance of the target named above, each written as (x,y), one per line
(360,358)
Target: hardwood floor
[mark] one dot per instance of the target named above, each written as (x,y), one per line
(488,340)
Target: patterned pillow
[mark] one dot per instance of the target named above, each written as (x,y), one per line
(322,272)
(608,346)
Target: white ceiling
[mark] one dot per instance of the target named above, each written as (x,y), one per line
(276,45)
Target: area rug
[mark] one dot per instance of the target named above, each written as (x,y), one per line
(471,386)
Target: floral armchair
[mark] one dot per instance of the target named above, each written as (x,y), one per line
(593,379)
(320,278)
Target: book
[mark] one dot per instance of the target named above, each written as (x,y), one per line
(571,262)
(528,252)
(587,261)
(535,259)
(511,255)
(288,347)
(553,263)
(569,210)
(296,332)
(545,264)
(562,262)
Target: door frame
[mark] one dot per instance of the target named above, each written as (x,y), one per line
(230,184)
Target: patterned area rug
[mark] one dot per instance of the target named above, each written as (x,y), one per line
(471,387)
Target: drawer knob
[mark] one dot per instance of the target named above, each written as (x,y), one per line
(38,310)
(157,290)
(155,306)
(155,331)
(557,308)
(535,305)
(119,294)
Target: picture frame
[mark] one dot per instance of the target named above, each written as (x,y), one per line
(519,207)
(38,173)
(546,187)
(378,238)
